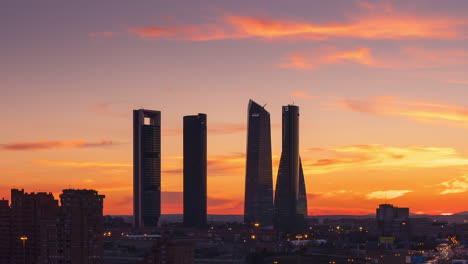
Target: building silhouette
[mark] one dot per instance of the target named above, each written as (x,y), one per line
(258,202)
(195,165)
(290,194)
(81,239)
(392,221)
(5,230)
(146,167)
(170,251)
(33,226)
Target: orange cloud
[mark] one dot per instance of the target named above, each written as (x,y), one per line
(378,156)
(185,32)
(457,185)
(421,111)
(302,95)
(84,164)
(378,22)
(215,128)
(327,55)
(388,194)
(217,165)
(47,145)
(405,58)
(109,109)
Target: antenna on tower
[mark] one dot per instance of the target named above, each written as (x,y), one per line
(264,105)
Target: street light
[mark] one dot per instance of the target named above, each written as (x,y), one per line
(23,240)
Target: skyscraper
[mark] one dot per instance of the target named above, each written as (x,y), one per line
(195,159)
(146,167)
(290,194)
(258,207)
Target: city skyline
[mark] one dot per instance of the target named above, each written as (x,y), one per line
(382,85)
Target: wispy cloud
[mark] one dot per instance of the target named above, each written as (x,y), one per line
(108,109)
(327,194)
(327,55)
(404,58)
(54,144)
(388,194)
(379,156)
(377,21)
(217,165)
(421,111)
(226,164)
(456,185)
(84,164)
(301,94)
(213,129)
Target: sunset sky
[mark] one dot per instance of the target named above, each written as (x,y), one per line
(382,88)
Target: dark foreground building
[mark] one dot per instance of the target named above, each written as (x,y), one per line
(258,207)
(290,195)
(81,239)
(170,251)
(392,221)
(5,230)
(195,161)
(35,229)
(146,167)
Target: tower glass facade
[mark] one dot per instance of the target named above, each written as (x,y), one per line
(146,167)
(290,194)
(195,161)
(258,207)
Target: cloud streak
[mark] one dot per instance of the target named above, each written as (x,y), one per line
(379,156)
(301,94)
(54,144)
(375,22)
(213,129)
(326,55)
(403,58)
(388,194)
(84,164)
(420,111)
(457,185)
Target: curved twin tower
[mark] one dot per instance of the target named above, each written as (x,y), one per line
(288,210)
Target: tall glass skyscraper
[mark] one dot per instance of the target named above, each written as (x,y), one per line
(258,206)
(290,194)
(195,161)
(146,167)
